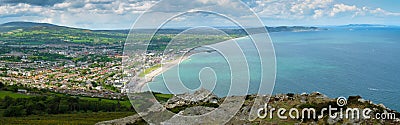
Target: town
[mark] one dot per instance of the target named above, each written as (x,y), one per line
(89,62)
(93,71)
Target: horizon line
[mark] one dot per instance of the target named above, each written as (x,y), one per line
(180,27)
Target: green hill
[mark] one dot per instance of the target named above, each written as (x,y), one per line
(43,33)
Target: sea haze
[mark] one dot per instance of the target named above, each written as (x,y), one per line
(341,61)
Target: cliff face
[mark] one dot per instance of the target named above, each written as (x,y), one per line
(203,102)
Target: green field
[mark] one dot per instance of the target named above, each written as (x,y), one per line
(74,119)
(32,115)
(13,95)
(20,95)
(123,102)
(149,70)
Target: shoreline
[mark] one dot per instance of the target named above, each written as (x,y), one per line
(164,67)
(168,65)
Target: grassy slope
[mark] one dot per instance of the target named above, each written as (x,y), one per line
(12,94)
(19,95)
(79,118)
(88,118)
(125,102)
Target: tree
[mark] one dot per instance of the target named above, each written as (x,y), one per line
(7,101)
(63,107)
(14,111)
(4,74)
(1,85)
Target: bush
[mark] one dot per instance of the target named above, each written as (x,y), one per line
(14,111)
(56,104)
(1,85)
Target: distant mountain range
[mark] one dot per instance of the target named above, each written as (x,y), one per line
(30,26)
(27,24)
(44,33)
(41,33)
(364,25)
(230,30)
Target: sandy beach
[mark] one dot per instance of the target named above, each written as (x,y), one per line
(142,81)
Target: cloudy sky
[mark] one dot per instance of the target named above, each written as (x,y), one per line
(121,14)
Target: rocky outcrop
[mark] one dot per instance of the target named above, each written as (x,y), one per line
(134,119)
(197,103)
(200,96)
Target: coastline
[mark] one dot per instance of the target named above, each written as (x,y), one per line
(164,67)
(168,65)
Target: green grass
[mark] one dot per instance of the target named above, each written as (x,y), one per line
(163,97)
(74,119)
(149,70)
(81,41)
(160,97)
(124,102)
(13,94)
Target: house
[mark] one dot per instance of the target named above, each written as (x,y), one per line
(99,88)
(22,91)
(118,85)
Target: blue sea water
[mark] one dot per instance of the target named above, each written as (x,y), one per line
(337,62)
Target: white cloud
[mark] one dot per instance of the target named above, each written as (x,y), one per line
(308,5)
(98,1)
(338,8)
(77,13)
(219,2)
(352,11)
(312,9)
(22,8)
(62,5)
(318,13)
(288,9)
(119,7)
(379,11)
(82,13)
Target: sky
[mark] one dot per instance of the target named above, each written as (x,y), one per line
(121,14)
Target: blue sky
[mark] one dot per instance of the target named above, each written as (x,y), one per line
(120,14)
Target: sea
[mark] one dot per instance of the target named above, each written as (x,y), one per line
(338,61)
